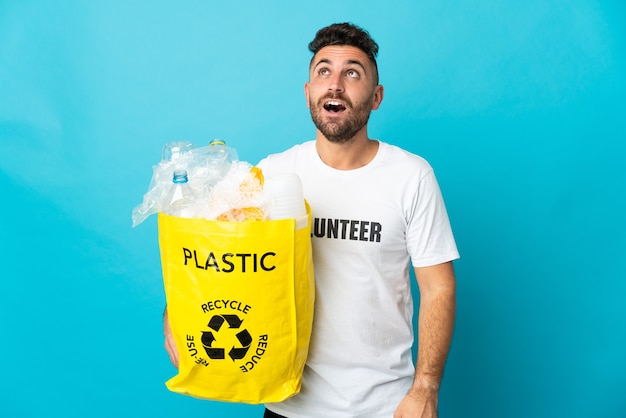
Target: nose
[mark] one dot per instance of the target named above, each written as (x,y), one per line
(336,84)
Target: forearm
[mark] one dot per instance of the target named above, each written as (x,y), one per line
(435,328)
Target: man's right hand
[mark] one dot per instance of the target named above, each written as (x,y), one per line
(170,346)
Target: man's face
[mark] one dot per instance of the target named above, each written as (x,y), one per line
(342,91)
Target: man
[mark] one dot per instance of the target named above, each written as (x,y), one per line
(376,210)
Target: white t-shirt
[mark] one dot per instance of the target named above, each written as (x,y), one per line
(369,225)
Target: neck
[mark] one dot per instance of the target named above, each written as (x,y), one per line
(353,154)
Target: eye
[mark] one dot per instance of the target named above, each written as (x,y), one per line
(323,72)
(353,74)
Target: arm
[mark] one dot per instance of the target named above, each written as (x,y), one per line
(437,286)
(170,346)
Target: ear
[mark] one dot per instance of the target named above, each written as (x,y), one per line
(379,92)
(306,93)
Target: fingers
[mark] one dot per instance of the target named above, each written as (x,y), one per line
(172,352)
(170,345)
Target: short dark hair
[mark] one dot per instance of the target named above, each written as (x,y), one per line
(345,34)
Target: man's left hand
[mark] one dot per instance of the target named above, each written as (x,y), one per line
(418,404)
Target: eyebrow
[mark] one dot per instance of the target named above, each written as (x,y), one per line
(349,62)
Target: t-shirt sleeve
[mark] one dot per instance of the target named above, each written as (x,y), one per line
(429,235)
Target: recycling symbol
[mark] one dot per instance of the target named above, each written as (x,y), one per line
(219,353)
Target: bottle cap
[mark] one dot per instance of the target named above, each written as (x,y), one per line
(180,176)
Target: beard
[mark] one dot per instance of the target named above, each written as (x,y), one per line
(336,130)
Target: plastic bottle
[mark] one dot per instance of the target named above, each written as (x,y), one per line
(218,151)
(174,155)
(175,149)
(219,156)
(180,199)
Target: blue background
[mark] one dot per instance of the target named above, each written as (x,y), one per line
(518,105)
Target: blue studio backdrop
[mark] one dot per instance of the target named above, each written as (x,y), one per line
(518,105)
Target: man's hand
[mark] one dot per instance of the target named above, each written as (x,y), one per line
(418,403)
(170,346)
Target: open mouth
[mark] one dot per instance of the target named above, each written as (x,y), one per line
(334,106)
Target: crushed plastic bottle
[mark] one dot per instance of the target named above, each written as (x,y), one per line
(175,154)
(175,150)
(180,198)
(218,160)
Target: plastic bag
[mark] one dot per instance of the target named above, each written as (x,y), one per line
(240,298)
